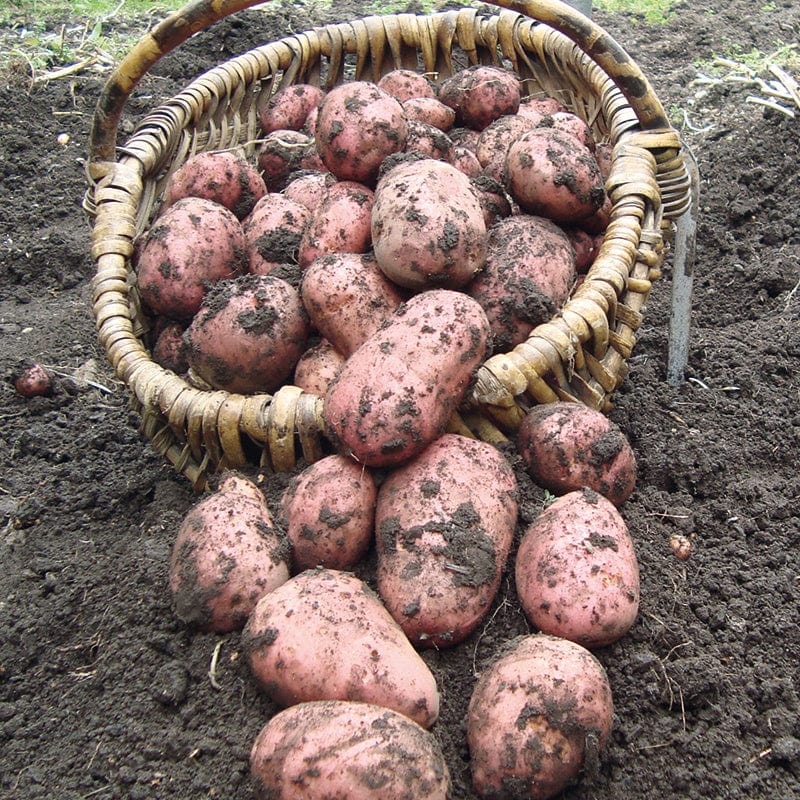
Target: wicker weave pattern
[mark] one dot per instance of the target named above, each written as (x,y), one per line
(579,355)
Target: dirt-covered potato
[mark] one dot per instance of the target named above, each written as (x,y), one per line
(536,716)
(317,368)
(227,555)
(442,542)
(309,187)
(431,111)
(428,140)
(481,94)
(272,232)
(405,84)
(225,177)
(284,152)
(169,348)
(566,446)
(358,125)
(396,393)
(248,335)
(330,514)
(576,571)
(338,750)
(288,108)
(428,229)
(325,635)
(193,244)
(495,141)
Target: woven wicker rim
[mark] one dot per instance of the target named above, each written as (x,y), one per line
(579,355)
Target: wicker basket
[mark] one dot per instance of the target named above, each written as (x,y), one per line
(579,355)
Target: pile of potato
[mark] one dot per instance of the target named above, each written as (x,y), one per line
(389,239)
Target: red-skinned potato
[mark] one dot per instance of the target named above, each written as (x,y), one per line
(330,514)
(283,152)
(536,715)
(226,556)
(318,367)
(338,750)
(358,125)
(576,571)
(495,140)
(248,335)
(464,160)
(32,380)
(428,229)
(537,107)
(551,174)
(226,178)
(193,244)
(428,140)
(586,247)
(431,111)
(397,392)
(309,188)
(441,544)
(572,124)
(169,348)
(481,94)
(341,224)
(566,446)
(405,84)
(289,108)
(325,635)
(494,202)
(272,232)
(529,272)
(348,298)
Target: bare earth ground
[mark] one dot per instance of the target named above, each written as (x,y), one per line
(104,693)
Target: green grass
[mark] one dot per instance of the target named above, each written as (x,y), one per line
(655,12)
(19,12)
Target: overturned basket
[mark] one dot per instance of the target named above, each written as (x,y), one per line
(579,355)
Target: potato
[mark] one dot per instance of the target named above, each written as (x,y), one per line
(464,137)
(397,392)
(341,224)
(442,543)
(248,335)
(566,446)
(572,124)
(405,84)
(226,178)
(551,174)
(357,127)
(330,514)
(529,272)
(317,368)
(536,715)
(283,152)
(226,556)
(309,188)
(538,107)
(32,380)
(464,160)
(190,246)
(428,140)
(586,247)
(337,750)
(169,348)
(493,199)
(272,232)
(325,635)
(481,94)
(604,153)
(428,229)
(495,141)
(348,298)
(431,111)
(576,571)
(289,108)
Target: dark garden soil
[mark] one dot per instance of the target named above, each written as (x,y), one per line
(105,693)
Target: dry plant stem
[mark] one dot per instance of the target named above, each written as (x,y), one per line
(212,669)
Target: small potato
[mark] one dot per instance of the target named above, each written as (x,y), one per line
(226,556)
(248,335)
(576,571)
(494,202)
(538,107)
(464,160)
(32,380)
(495,140)
(338,750)
(318,367)
(169,348)
(442,543)
(405,84)
(529,273)
(348,298)
(272,232)
(341,224)
(566,446)
(330,514)
(283,152)
(431,111)
(428,140)
(536,715)
(289,108)
(428,229)
(358,125)
(586,247)
(551,174)
(309,188)
(572,124)
(192,245)
(325,635)
(481,94)
(226,178)
(397,392)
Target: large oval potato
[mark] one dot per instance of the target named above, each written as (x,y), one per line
(396,393)
(535,716)
(444,524)
(428,229)
(568,445)
(325,635)
(228,554)
(336,750)
(576,571)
